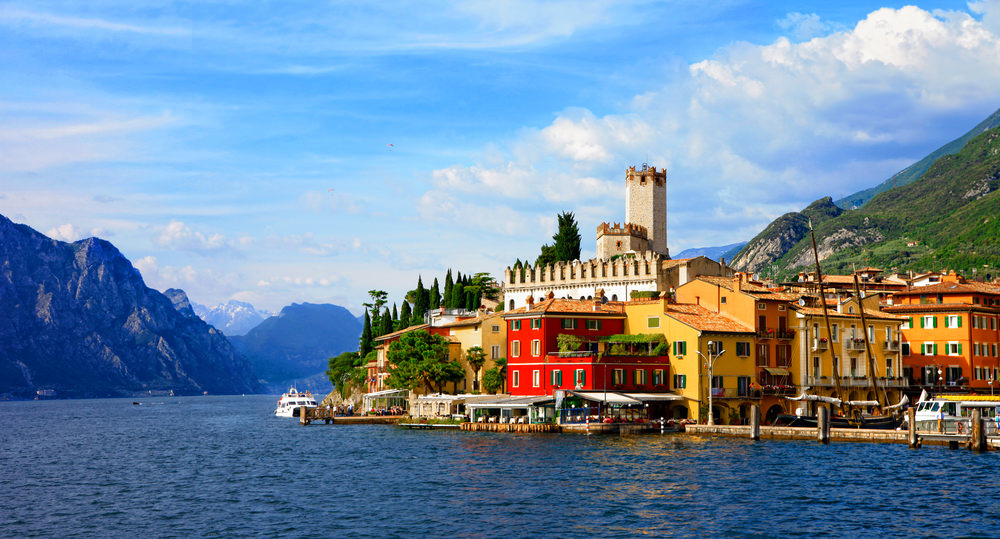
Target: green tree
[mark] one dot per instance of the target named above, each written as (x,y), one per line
(420,299)
(435,298)
(476,358)
(547,256)
(449,283)
(378,299)
(567,238)
(395,315)
(493,380)
(420,359)
(457,296)
(386,323)
(343,372)
(365,345)
(405,314)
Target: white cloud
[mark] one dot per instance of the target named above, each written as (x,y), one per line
(70,232)
(178,235)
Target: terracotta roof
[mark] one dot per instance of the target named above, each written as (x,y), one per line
(703,319)
(400,332)
(472,321)
(749,288)
(571,306)
(952,288)
(941,307)
(869,313)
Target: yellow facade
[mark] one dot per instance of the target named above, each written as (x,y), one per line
(695,335)
(489,332)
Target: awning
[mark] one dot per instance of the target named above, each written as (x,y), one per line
(510,402)
(386,393)
(609,397)
(654,396)
(777,371)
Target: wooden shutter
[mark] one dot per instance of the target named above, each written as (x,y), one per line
(959,320)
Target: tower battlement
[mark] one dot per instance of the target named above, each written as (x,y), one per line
(627,229)
(646,174)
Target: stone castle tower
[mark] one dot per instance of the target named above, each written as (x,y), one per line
(645,226)
(646,204)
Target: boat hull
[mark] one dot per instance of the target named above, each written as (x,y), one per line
(879,422)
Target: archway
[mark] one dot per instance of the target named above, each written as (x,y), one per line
(772,413)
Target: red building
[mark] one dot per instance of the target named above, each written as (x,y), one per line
(535,366)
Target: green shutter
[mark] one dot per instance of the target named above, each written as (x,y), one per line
(935,322)
(911,321)
(674,344)
(922,349)
(946,323)
(598,324)
(921,321)
(960,322)
(959,348)
(583,377)
(935,349)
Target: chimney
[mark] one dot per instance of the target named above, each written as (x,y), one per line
(530,301)
(550,295)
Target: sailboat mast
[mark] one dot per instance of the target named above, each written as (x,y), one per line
(868,345)
(826,315)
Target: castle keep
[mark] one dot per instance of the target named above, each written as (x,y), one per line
(631,256)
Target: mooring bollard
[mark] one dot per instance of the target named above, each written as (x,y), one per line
(978,442)
(823,425)
(755,422)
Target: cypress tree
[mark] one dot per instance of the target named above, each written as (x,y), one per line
(458,296)
(420,299)
(365,346)
(448,287)
(435,300)
(405,314)
(386,323)
(395,315)
(566,241)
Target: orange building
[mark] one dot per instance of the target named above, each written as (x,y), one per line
(952,335)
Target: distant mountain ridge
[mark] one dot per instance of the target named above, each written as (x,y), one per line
(715,253)
(914,171)
(948,218)
(298,342)
(80,322)
(232,318)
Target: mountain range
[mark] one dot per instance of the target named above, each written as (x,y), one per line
(80,322)
(298,342)
(947,218)
(233,317)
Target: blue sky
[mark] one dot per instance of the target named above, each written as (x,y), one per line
(279,152)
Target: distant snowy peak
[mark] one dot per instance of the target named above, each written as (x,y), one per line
(233,317)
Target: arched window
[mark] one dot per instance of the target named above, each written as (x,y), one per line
(511,308)
(614,297)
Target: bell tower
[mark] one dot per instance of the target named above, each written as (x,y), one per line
(646,204)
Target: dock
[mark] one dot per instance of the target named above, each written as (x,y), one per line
(329,417)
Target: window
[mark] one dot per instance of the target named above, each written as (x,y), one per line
(579,377)
(888,334)
(639,375)
(536,347)
(929,321)
(722,300)
(742,348)
(815,332)
(836,333)
(743,386)
(975,321)
(953,348)
(717,382)
(495,328)
(653,322)
(953,321)
(617,377)
(515,377)
(871,333)
(515,348)
(680,348)
(763,358)
(715,347)
(680,381)
(888,367)
(536,378)
(816,371)
(593,325)
(905,348)
(928,349)
(515,325)
(556,378)
(495,352)
(658,377)
(536,323)
(569,323)
(761,306)
(781,307)
(907,324)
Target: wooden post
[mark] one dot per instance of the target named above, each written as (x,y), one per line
(823,425)
(911,423)
(303,418)
(755,422)
(978,442)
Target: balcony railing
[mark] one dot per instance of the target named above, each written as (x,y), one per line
(820,344)
(785,334)
(892,346)
(855,344)
(765,334)
(777,390)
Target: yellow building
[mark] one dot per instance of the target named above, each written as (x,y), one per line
(698,337)
(846,342)
(487,331)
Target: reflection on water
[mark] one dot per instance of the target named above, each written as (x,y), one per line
(226,466)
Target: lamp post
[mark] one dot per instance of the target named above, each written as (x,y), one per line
(710,363)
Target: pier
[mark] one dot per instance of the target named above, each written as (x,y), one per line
(329,417)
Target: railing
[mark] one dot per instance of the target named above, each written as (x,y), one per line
(820,345)
(765,334)
(785,334)
(777,390)
(855,344)
(892,346)
(582,353)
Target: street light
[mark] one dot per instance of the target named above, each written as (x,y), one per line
(710,363)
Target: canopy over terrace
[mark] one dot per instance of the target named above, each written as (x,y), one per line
(386,399)
(535,409)
(616,406)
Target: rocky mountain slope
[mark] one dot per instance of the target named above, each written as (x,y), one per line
(298,342)
(233,317)
(79,321)
(949,218)
(781,235)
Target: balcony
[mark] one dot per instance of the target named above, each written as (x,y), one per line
(821,344)
(785,335)
(733,393)
(765,334)
(857,345)
(777,390)
(891,346)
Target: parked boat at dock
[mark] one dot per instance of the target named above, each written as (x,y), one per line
(290,402)
(952,413)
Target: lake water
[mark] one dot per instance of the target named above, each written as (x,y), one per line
(225,466)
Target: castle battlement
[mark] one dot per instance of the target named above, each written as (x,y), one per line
(628,267)
(627,229)
(646,174)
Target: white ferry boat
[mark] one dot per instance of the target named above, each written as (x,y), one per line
(290,402)
(954,412)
